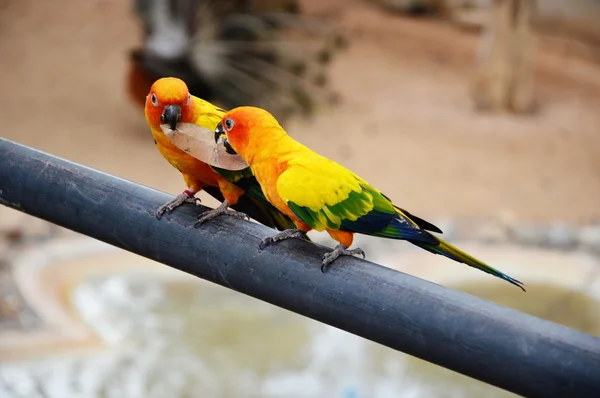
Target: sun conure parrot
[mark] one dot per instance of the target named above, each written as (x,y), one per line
(318,193)
(169,102)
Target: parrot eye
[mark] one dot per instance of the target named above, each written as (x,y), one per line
(189,98)
(154,100)
(229,124)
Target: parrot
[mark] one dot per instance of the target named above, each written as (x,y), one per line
(318,193)
(169,102)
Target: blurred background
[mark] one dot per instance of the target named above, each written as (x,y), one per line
(480,116)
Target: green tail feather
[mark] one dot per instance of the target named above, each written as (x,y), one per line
(454,253)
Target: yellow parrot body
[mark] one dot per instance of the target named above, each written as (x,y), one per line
(318,193)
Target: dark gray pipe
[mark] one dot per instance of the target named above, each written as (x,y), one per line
(500,346)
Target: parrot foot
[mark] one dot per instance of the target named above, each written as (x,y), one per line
(184,197)
(222,210)
(340,250)
(283,235)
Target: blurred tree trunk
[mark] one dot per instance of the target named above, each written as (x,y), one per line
(504,79)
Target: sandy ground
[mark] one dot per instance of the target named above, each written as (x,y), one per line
(405,122)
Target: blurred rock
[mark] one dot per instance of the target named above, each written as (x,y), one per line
(470,18)
(4,247)
(527,234)
(560,236)
(507,217)
(19,227)
(589,238)
(9,305)
(11,302)
(492,233)
(10,219)
(28,319)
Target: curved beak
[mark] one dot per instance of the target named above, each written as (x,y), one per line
(228,148)
(219,131)
(171,115)
(220,136)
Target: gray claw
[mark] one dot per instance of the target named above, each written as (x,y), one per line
(212,214)
(340,250)
(265,242)
(175,203)
(283,235)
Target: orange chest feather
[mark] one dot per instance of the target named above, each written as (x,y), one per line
(267,172)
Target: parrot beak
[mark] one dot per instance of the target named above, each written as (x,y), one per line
(228,148)
(219,131)
(171,115)
(220,136)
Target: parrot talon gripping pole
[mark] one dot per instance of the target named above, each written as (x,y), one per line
(184,197)
(340,250)
(222,210)
(283,235)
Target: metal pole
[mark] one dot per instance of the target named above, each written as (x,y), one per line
(500,346)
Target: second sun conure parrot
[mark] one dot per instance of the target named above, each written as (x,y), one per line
(318,193)
(169,102)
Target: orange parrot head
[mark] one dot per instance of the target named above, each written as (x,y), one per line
(246,130)
(169,102)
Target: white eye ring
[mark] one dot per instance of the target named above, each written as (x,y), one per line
(229,124)
(154,99)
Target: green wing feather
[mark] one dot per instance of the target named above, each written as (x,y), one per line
(335,198)
(340,200)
